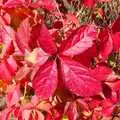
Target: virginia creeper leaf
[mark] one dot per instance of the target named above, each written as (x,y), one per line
(106,44)
(116,41)
(71,111)
(45,40)
(26,114)
(78,79)
(87,56)
(101,72)
(7,35)
(13,96)
(8,68)
(115,26)
(23,35)
(79,41)
(45,81)
(89,3)
(46,4)
(37,56)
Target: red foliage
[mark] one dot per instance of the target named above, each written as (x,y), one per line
(57,71)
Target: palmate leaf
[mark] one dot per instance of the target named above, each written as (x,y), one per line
(45,81)
(78,79)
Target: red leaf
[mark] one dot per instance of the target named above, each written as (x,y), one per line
(39,115)
(58,25)
(78,79)
(34,36)
(73,18)
(46,4)
(22,73)
(87,56)
(44,38)
(116,41)
(115,26)
(89,3)
(13,96)
(37,56)
(79,41)
(115,86)
(23,35)
(8,68)
(4,72)
(45,106)
(101,72)
(94,102)
(5,19)
(28,2)
(107,91)
(106,44)
(26,114)
(104,0)
(108,111)
(13,3)
(5,114)
(12,65)
(71,111)
(7,35)
(45,81)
